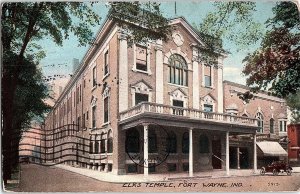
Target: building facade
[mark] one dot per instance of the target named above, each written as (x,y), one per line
(294,145)
(271,113)
(146,108)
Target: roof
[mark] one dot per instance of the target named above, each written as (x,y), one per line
(270,148)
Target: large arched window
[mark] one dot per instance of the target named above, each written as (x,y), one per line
(203,144)
(178,70)
(271,125)
(185,143)
(152,142)
(172,142)
(260,122)
(109,142)
(132,141)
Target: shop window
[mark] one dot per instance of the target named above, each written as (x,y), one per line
(96,146)
(102,143)
(152,167)
(109,142)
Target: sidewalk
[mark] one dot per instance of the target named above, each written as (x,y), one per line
(109,177)
(296,169)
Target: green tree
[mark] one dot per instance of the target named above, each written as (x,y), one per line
(234,22)
(293,101)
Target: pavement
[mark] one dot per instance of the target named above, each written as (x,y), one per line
(110,177)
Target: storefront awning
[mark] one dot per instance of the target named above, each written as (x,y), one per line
(270,148)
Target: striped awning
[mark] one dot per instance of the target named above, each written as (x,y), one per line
(270,148)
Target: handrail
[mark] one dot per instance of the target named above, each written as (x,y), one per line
(184,112)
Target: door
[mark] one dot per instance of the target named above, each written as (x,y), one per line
(216,157)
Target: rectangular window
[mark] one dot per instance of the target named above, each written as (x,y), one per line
(106,110)
(207,76)
(177,111)
(282,126)
(87,115)
(141,58)
(141,98)
(106,61)
(83,121)
(78,123)
(80,93)
(94,117)
(74,99)
(94,77)
(208,108)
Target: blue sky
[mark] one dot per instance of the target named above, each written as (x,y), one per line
(194,12)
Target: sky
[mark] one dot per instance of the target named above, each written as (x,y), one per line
(193,11)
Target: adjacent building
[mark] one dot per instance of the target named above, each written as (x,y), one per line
(159,107)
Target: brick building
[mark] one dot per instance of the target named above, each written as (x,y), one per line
(151,108)
(294,145)
(271,113)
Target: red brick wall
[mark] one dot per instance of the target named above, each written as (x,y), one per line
(294,137)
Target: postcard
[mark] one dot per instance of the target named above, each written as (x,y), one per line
(175,96)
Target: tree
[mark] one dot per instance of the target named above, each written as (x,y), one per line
(234,22)
(275,65)
(23,24)
(293,101)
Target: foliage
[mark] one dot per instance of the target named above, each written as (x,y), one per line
(141,21)
(275,65)
(293,101)
(234,22)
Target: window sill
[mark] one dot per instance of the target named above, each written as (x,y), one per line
(107,123)
(210,87)
(178,85)
(94,87)
(105,76)
(141,71)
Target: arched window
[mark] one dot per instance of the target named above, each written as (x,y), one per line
(178,70)
(109,142)
(203,144)
(260,122)
(185,143)
(152,142)
(132,141)
(96,150)
(102,143)
(271,125)
(172,143)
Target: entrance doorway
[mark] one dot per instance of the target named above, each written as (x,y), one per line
(244,158)
(216,157)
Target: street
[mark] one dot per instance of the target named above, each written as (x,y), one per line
(35,178)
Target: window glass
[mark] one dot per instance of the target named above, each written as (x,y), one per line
(207,75)
(102,143)
(141,58)
(178,73)
(260,122)
(208,108)
(94,117)
(110,142)
(177,111)
(141,98)
(271,125)
(106,110)
(106,61)
(94,77)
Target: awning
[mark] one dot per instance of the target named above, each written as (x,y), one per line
(270,148)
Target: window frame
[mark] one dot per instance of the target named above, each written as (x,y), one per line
(148,58)
(106,63)
(177,70)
